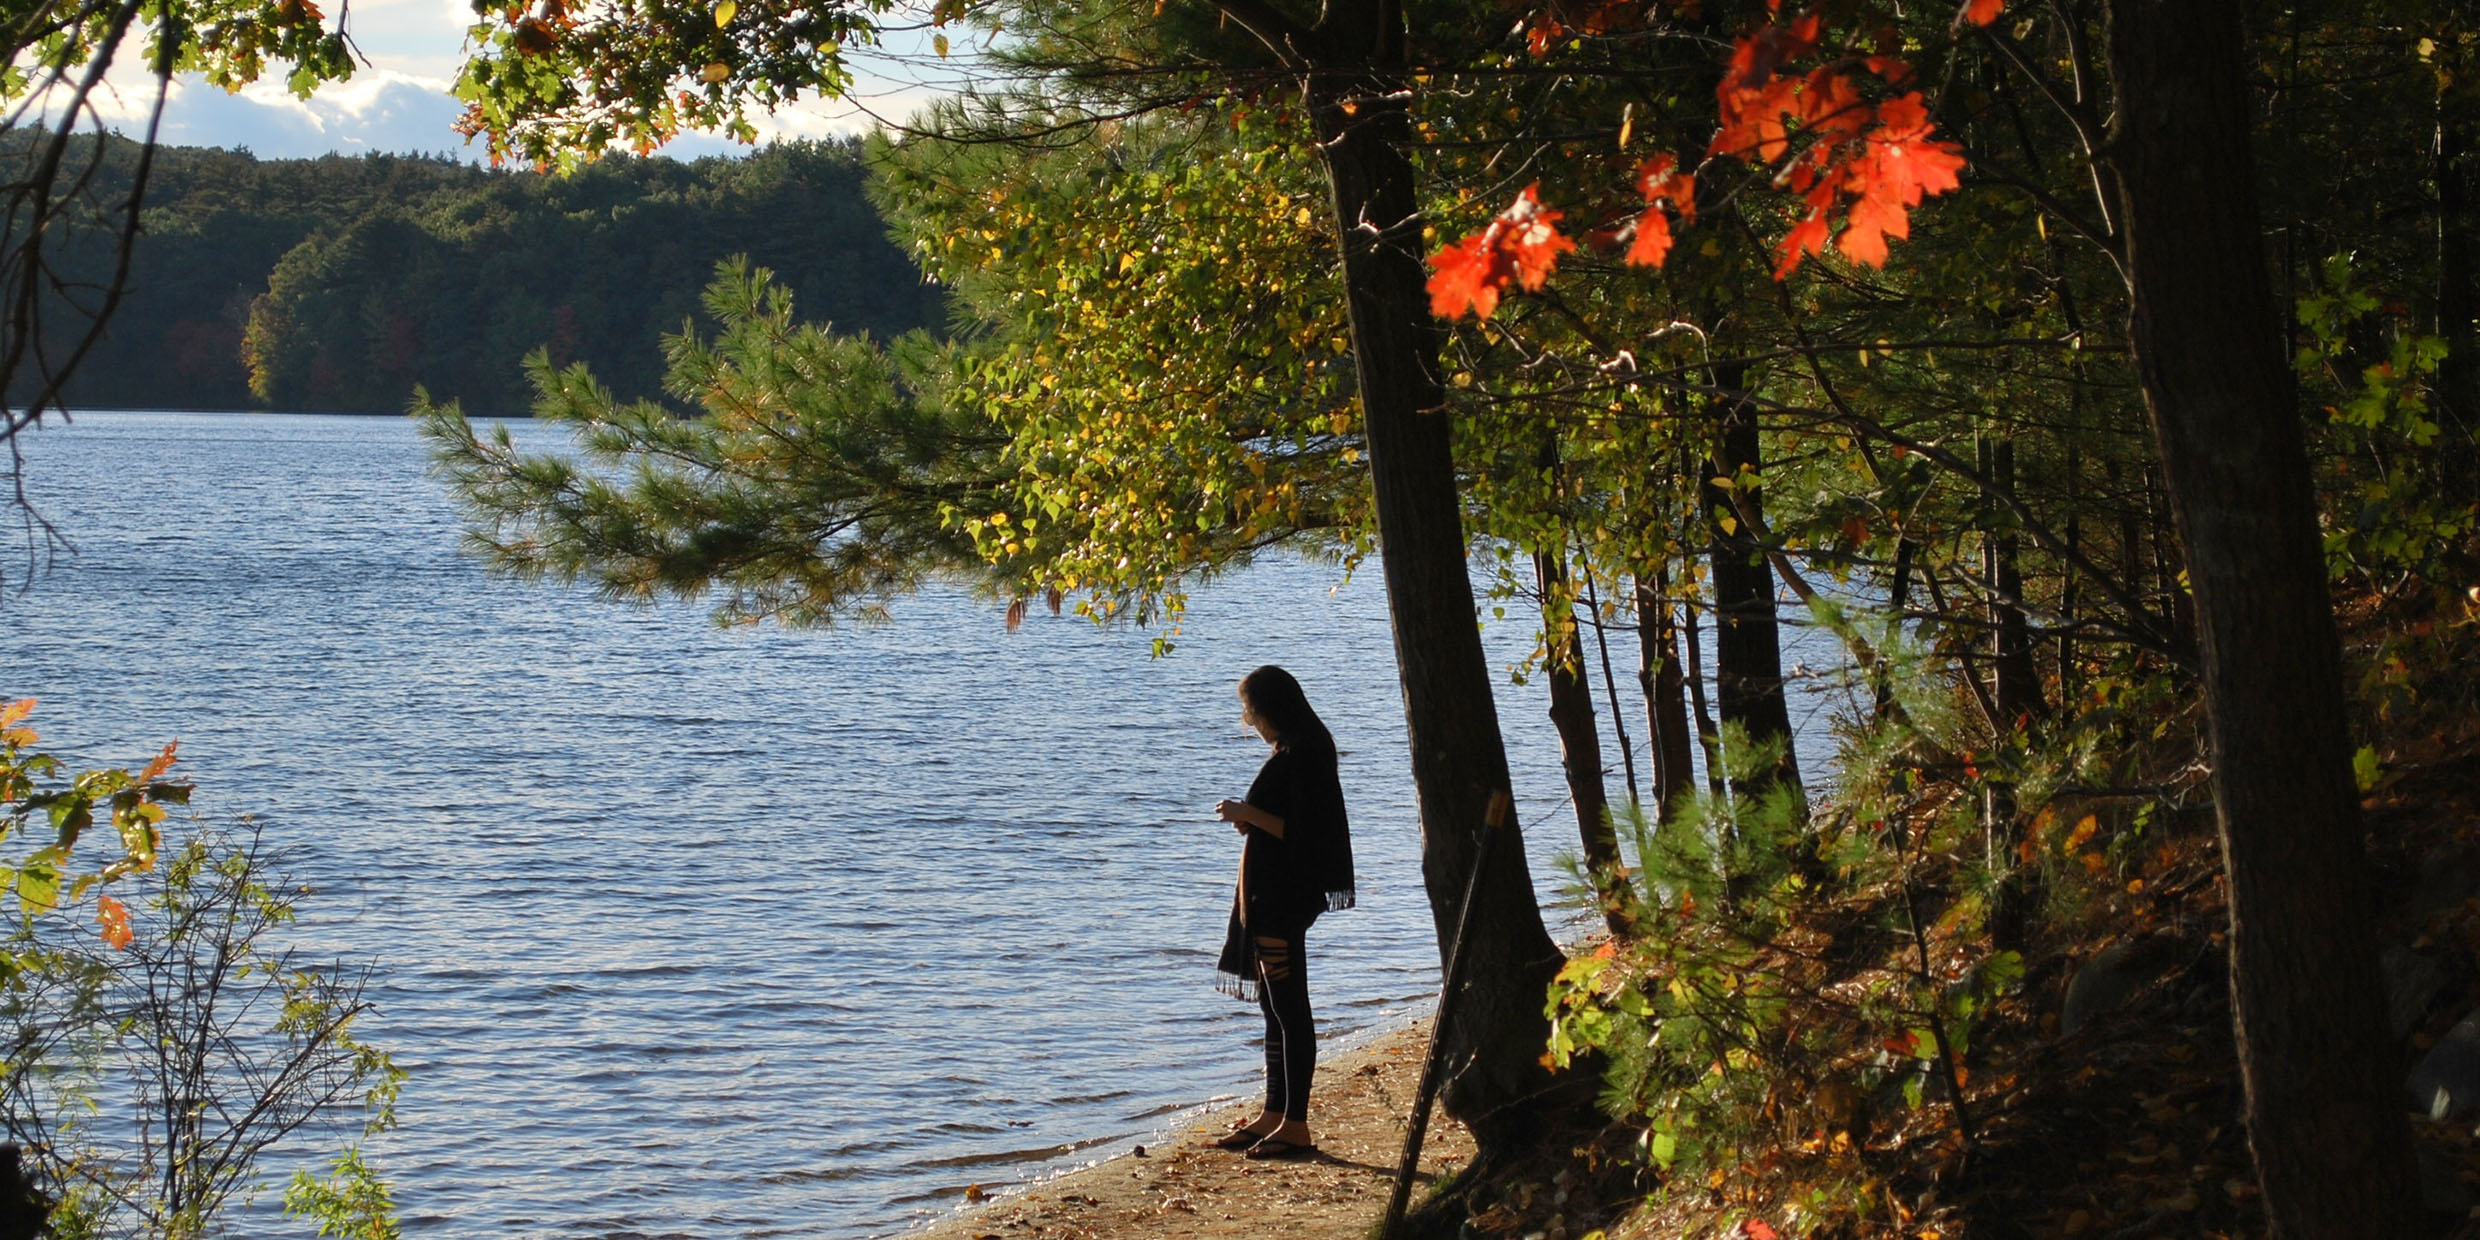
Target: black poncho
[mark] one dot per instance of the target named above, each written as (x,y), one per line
(1285,883)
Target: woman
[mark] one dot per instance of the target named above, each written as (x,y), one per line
(1295,863)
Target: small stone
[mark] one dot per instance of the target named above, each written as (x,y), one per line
(1139,1151)
(2446,1084)
(2110,978)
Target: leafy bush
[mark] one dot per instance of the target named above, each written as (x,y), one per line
(148,1067)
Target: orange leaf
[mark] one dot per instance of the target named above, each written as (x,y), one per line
(115,922)
(1521,247)
(1757,1229)
(1805,238)
(1653,239)
(1463,279)
(1872,220)
(1543,33)
(1982,12)
(162,763)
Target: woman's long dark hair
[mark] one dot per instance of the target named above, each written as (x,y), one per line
(1272,695)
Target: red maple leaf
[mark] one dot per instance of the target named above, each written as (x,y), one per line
(1805,238)
(1659,180)
(1521,246)
(1653,239)
(1982,12)
(1462,279)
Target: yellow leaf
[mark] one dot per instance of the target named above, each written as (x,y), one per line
(724,13)
(715,71)
(1729,524)
(938,43)
(2083,831)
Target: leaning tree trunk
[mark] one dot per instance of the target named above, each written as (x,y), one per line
(1458,758)
(2322,1079)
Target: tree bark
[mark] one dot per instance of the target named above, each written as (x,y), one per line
(2017,687)
(2322,1079)
(1666,693)
(1458,757)
(1580,741)
(1748,679)
(2458,377)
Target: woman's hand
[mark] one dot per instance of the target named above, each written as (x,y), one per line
(1242,816)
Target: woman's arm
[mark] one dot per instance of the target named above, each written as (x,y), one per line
(1242,816)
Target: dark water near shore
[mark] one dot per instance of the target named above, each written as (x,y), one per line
(687,931)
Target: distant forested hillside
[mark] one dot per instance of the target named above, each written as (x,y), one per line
(341,283)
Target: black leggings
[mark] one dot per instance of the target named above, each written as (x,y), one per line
(1291,1032)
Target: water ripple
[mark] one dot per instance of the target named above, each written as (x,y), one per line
(698,932)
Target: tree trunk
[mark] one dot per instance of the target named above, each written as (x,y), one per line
(2322,1078)
(1748,679)
(1580,741)
(1666,693)
(1458,758)
(2017,690)
(2458,377)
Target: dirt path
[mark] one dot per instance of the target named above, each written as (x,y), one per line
(1185,1187)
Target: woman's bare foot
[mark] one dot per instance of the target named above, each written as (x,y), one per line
(1248,1134)
(1290,1139)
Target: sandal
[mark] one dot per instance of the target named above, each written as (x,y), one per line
(1273,1148)
(1239,1139)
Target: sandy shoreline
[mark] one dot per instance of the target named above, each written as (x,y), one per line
(1183,1186)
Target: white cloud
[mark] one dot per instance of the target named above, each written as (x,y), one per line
(378,110)
(399,100)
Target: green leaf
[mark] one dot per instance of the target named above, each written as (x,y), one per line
(2365,768)
(38,889)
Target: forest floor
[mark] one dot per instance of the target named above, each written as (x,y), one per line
(1184,1187)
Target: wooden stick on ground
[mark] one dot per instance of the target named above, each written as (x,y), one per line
(1427,1094)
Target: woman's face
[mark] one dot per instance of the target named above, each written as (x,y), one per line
(1248,715)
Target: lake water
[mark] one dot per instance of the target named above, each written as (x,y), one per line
(701,932)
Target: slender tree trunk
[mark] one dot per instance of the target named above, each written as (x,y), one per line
(1666,693)
(1898,599)
(1748,679)
(2458,377)
(1458,758)
(1708,737)
(2322,1078)
(1580,740)
(2017,690)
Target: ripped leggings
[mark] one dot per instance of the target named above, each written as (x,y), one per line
(1291,1032)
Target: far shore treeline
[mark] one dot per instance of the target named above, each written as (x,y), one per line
(339,284)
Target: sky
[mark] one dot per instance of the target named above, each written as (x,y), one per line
(399,102)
